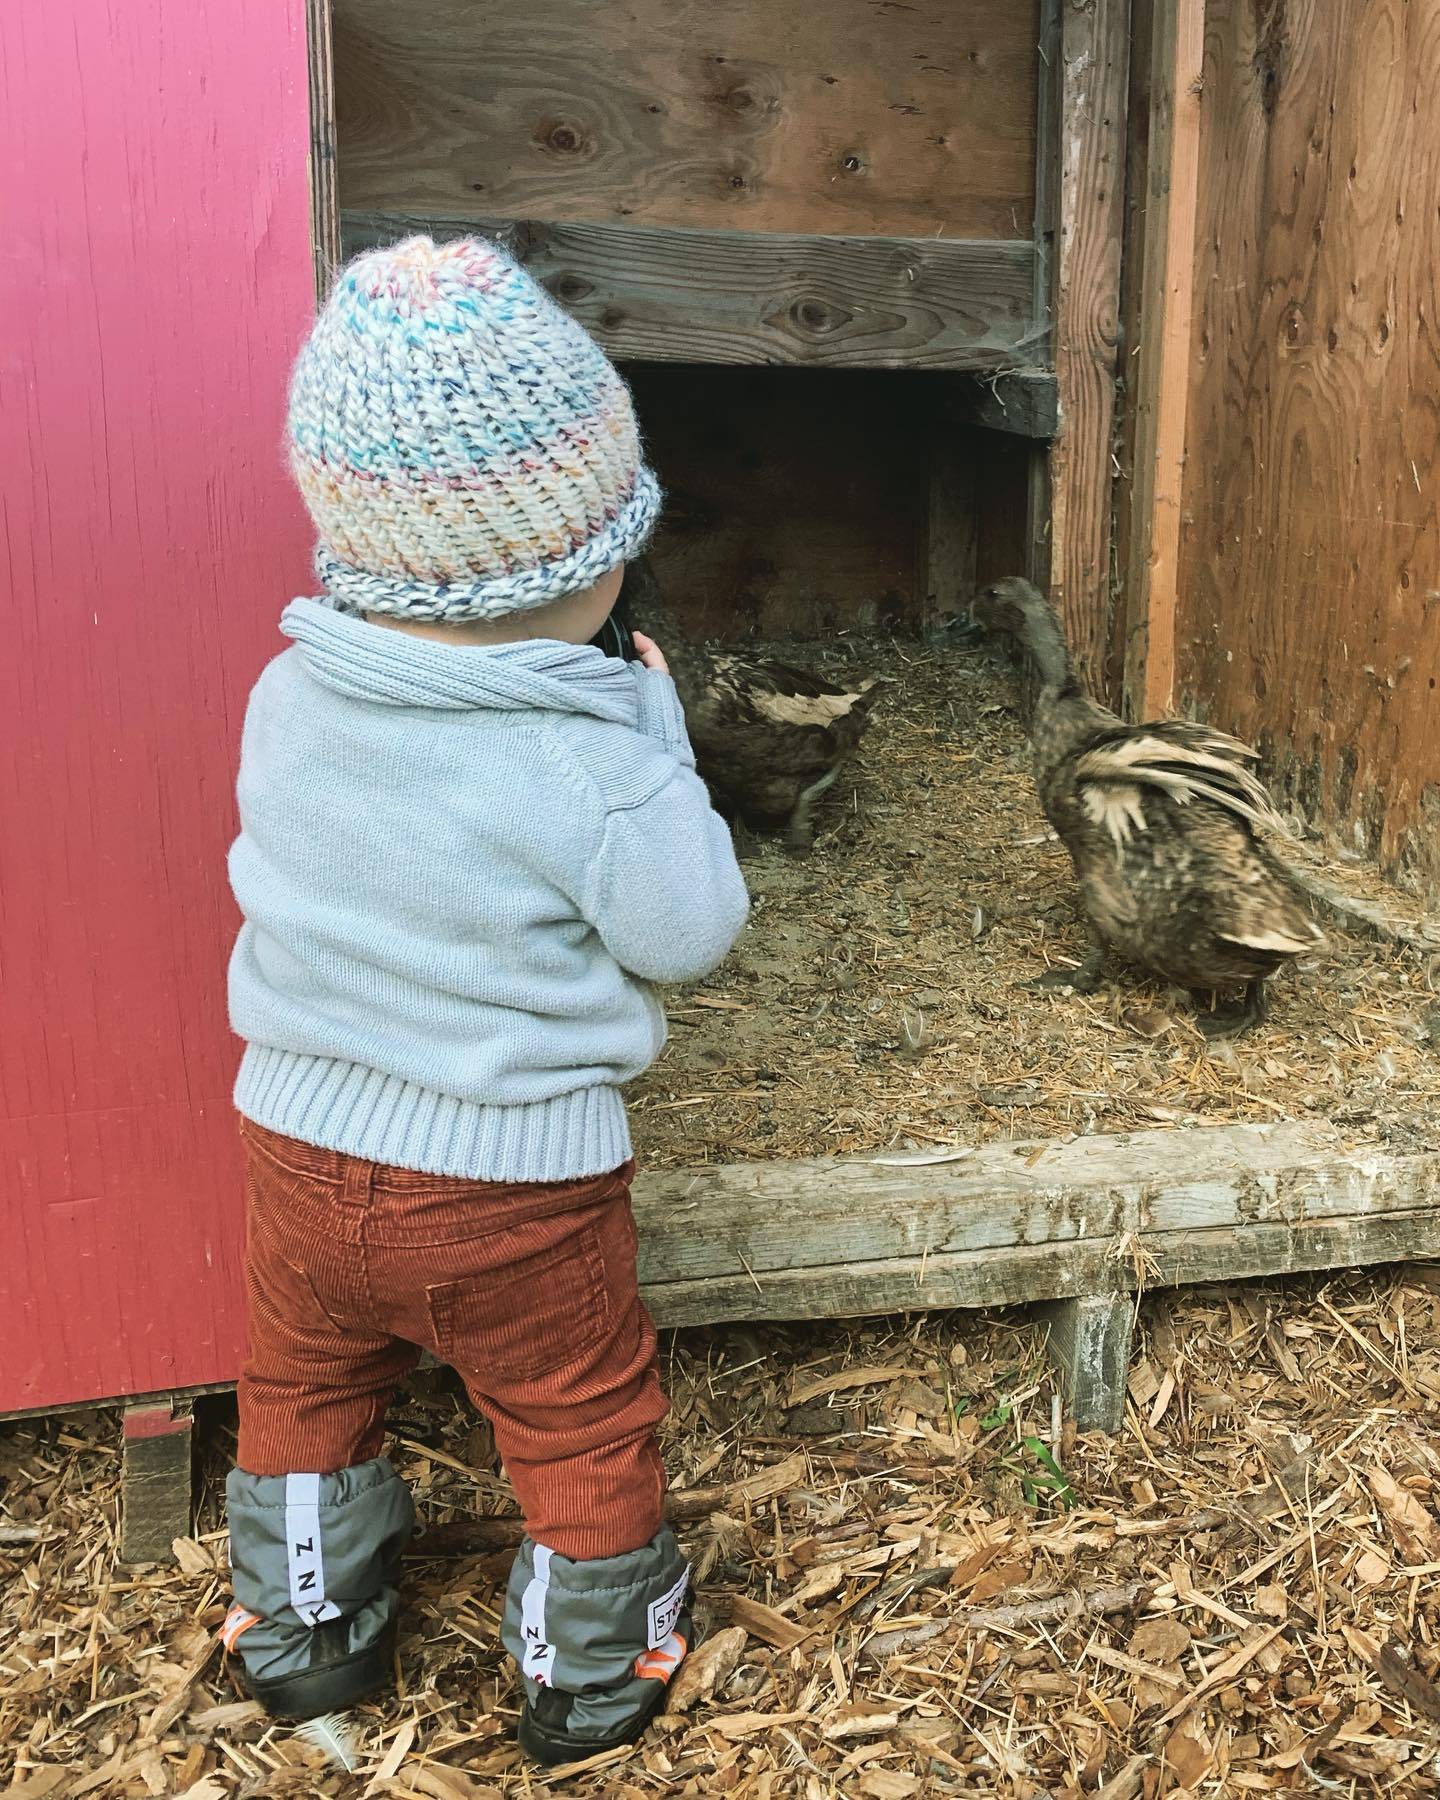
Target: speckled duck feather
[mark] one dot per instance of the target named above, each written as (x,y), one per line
(1164,821)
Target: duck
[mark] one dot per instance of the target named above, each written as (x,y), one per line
(1165,823)
(770,739)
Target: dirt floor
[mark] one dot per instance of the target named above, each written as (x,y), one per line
(913,1585)
(880,993)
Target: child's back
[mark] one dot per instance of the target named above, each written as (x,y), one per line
(469,843)
(455,863)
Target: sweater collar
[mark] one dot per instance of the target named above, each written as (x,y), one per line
(369,663)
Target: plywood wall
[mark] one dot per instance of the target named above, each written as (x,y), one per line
(853,118)
(796,500)
(157,281)
(1309,612)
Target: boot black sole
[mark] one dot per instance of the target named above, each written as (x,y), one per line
(327,1687)
(552,1748)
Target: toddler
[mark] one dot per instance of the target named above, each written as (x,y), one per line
(469,844)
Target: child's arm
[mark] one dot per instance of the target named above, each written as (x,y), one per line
(661,715)
(666,893)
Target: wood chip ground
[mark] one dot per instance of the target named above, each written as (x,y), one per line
(1235,1596)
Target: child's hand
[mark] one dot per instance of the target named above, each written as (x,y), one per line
(651,655)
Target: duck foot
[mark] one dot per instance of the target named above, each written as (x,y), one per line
(1082,980)
(1227,1022)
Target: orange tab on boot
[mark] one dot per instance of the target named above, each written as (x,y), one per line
(661,1664)
(237,1622)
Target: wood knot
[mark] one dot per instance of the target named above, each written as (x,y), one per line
(570,289)
(816,317)
(560,137)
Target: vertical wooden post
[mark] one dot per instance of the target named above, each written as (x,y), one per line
(1163,239)
(324,190)
(947,564)
(1047,188)
(155,1480)
(1084,123)
(1089,1344)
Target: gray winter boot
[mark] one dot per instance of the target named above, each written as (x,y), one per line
(596,1643)
(315,1560)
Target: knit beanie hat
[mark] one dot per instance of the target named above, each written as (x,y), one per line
(465,449)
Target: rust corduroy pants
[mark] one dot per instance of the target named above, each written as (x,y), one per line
(529,1290)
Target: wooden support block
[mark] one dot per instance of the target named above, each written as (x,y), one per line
(1089,1344)
(156,1479)
(1024,403)
(653,294)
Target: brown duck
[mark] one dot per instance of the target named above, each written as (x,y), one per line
(769,739)
(1163,823)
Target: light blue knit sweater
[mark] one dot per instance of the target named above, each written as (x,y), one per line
(459,870)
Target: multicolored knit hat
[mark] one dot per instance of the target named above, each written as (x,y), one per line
(465,449)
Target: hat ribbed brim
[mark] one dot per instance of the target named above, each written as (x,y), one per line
(494,596)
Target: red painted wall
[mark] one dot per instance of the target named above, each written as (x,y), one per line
(155,281)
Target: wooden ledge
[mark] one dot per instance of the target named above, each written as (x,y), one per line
(1014,1223)
(1023,403)
(658,295)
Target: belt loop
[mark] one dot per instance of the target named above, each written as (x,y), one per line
(359,1182)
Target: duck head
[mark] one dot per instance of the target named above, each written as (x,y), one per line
(1008,605)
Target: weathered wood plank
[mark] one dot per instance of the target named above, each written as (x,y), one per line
(1162,242)
(1094,54)
(1048,90)
(849,118)
(1013,1224)
(1309,613)
(324,195)
(1133,296)
(656,295)
(1024,1273)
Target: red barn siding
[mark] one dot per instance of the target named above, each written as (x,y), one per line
(156,282)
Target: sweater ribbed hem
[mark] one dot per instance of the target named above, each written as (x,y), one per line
(383,1119)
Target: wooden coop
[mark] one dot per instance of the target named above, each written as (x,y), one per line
(1136,296)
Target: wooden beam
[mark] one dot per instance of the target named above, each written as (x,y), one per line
(324,196)
(1094,85)
(1024,403)
(659,295)
(1162,237)
(1019,1223)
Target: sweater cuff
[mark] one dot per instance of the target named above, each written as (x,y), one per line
(661,716)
